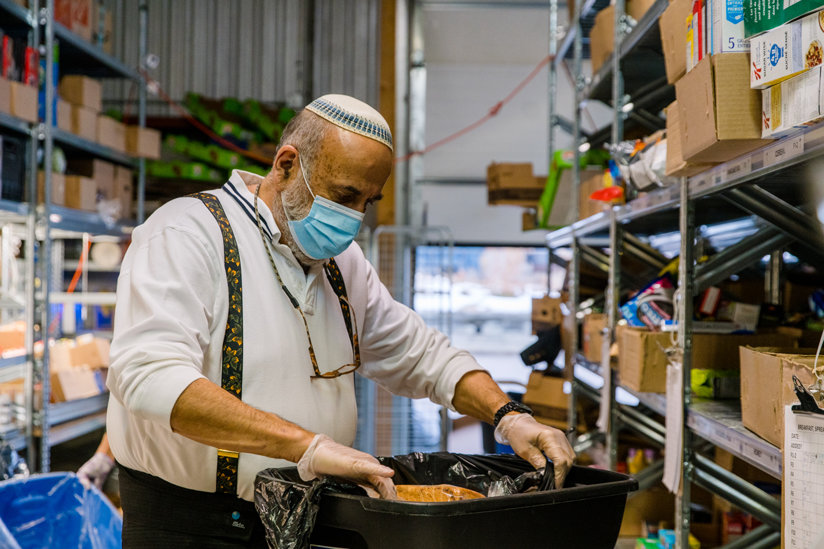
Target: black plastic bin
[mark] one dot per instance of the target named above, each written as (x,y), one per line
(586,514)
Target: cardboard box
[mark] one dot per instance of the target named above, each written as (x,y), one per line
(58,188)
(653,505)
(642,364)
(82,91)
(591,181)
(63,12)
(763,15)
(64,115)
(101,171)
(84,122)
(74,384)
(60,356)
(23,101)
(546,396)
(792,104)
(546,312)
(594,326)
(82,18)
(719,113)
(674,38)
(91,352)
(111,133)
(5,96)
(143,142)
(676,165)
(787,50)
(12,336)
(637,8)
(124,190)
(81,193)
(766,387)
(602,38)
(513,184)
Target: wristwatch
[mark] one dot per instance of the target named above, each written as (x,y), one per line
(511,406)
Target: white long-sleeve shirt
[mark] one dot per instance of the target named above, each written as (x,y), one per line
(172,303)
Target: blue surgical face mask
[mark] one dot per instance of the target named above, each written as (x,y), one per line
(328,229)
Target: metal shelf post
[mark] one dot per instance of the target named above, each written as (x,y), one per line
(613,303)
(686,219)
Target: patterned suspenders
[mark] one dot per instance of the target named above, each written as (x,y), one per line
(231,371)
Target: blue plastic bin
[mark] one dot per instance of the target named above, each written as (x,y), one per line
(54,510)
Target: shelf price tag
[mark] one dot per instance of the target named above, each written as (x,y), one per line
(738,169)
(784,150)
(769,461)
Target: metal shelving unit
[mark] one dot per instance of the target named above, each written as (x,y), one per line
(762,188)
(45,226)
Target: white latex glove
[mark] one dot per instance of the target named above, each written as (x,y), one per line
(529,439)
(96,470)
(325,457)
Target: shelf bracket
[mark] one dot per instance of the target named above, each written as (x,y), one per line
(638,249)
(743,254)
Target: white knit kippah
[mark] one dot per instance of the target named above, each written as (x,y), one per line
(353,115)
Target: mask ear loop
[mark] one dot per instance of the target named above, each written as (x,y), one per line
(306,181)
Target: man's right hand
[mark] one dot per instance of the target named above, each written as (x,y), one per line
(325,457)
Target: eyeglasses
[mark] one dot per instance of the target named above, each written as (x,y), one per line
(336,280)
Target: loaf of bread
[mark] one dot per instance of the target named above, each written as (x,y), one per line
(435,493)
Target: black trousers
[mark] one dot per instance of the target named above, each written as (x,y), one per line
(157,514)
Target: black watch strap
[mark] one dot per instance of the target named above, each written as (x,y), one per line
(511,406)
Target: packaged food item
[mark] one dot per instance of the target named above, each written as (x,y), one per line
(793,104)
(652,306)
(435,492)
(787,50)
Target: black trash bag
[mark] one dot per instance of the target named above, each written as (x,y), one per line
(289,506)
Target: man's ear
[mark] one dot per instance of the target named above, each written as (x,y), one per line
(285,163)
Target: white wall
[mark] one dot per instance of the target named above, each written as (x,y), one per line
(474,58)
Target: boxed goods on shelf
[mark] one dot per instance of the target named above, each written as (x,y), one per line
(546,396)
(82,91)
(546,312)
(602,38)
(84,122)
(100,171)
(124,190)
(715,383)
(102,38)
(143,142)
(766,387)
(12,336)
(674,38)
(676,165)
(792,104)
(642,362)
(12,168)
(787,50)
(82,18)
(591,181)
(23,101)
(727,27)
(111,133)
(763,15)
(719,114)
(58,188)
(5,96)
(63,116)
(593,332)
(513,184)
(81,193)
(90,351)
(654,505)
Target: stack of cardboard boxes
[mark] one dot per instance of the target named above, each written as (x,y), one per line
(78,368)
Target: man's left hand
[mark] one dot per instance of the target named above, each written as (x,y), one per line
(531,440)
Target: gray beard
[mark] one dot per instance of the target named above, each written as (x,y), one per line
(294,201)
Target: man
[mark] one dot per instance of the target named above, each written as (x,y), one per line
(235,333)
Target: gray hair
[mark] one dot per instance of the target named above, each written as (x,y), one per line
(305,132)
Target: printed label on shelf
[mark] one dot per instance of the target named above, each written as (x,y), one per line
(784,150)
(768,461)
(700,183)
(738,169)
